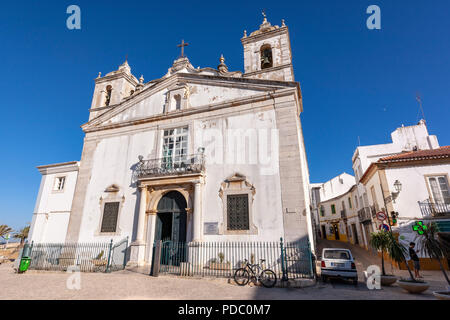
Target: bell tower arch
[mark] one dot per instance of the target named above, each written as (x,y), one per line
(267,53)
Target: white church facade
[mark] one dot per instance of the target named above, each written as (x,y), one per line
(201,154)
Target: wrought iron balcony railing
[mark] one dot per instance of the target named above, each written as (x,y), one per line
(365,214)
(373,211)
(169,166)
(431,209)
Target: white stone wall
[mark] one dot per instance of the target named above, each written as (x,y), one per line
(414,187)
(116,154)
(52,209)
(113,160)
(336,186)
(403,139)
(199,95)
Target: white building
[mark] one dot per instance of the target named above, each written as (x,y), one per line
(403,139)
(323,195)
(339,218)
(415,186)
(192,156)
(54,202)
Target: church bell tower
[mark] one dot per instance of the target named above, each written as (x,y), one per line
(267,53)
(112,89)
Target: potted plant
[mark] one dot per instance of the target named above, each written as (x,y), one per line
(436,248)
(221,265)
(380,241)
(397,253)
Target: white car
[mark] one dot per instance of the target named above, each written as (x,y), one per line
(338,263)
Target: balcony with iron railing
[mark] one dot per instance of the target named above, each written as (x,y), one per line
(169,166)
(431,209)
(365,214)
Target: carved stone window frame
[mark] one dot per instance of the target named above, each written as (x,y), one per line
(237,184)
(111,194)
(181,90)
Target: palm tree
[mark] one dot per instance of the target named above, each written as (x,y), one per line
(4,230)
(434,247)
(397,252)
(22,234)
(380,242)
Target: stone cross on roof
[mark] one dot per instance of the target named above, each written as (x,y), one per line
(182,45)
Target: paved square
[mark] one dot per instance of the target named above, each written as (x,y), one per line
(131,285)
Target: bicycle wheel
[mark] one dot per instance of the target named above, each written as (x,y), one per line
(268,278)
(241,277)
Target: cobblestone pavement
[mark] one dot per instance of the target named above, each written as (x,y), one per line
(130,285)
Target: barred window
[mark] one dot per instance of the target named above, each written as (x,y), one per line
(238,214)
(110,213)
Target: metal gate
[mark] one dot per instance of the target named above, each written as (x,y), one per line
(173,255)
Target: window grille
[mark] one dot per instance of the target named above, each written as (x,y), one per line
(238,214)
(110,213)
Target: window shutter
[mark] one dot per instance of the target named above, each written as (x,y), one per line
(110,213)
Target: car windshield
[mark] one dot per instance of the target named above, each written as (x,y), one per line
(337,254)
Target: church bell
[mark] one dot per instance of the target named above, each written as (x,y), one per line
(266,62)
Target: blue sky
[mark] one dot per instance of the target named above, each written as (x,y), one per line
(355,82)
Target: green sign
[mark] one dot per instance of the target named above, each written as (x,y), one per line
(419,227)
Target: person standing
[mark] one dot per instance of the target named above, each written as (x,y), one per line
(415,259)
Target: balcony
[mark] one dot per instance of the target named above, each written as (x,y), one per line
(431,209)
(169,167)
(344,214)
(365,214)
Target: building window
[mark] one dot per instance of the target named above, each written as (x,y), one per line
(266,57)
(177,102)
(237,208)
(110,214)
(439,189)
(374,198)
(175,146)
(322,211)
(333,209)
(349,202)
(59,184)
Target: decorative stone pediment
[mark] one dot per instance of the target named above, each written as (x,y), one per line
(197,91)
(236,182)
(113,188)
(237,185)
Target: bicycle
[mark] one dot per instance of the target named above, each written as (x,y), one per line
(267,277)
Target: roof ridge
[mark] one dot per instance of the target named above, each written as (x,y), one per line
(443,151)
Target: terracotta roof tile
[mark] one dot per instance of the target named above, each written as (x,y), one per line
(442,152)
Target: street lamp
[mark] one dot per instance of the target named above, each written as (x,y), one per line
(398,186)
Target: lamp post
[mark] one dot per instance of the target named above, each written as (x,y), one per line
(392,197)
(398,186)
